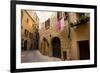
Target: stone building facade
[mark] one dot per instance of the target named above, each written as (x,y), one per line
(29,24)
(63,35)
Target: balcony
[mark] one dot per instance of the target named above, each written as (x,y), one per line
(82,20)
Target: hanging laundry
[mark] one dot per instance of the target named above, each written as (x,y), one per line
(62,24)
(58,25)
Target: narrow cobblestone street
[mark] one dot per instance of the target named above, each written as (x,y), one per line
(36,56)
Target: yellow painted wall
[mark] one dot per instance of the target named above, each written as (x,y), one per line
(80,33)
(30,26)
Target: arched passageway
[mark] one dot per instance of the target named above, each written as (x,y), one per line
(56,47)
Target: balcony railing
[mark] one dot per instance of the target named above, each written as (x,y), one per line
(81,20)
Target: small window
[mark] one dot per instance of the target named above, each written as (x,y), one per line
(27,20)
(47,24)
(65,15)
(21,16)
(26,33)
(59,15)
(30,35)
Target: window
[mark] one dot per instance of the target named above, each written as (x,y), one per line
(65,15)
(30,35)
(21,16)
(26,33)
(27,21)
(47,24)
(59,15)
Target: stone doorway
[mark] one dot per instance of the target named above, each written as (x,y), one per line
(56,47)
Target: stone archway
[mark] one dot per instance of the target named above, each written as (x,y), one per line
(56,47)
(44,46)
